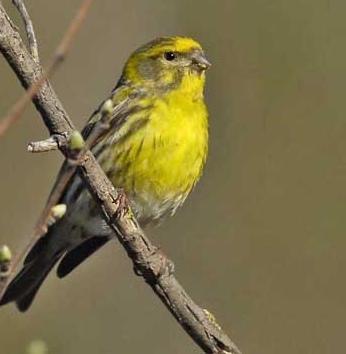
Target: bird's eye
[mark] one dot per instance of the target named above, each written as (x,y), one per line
(170,56)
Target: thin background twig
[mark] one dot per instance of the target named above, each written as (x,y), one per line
(17,109)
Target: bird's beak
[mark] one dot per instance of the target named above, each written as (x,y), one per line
(200,61)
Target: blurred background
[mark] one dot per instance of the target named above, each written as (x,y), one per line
(261,241)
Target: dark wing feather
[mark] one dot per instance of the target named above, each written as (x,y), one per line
(75,257)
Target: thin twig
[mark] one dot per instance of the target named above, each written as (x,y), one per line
(148,261)
(29,28)
(43,145)
(54,142)
(72,30)
(17,109)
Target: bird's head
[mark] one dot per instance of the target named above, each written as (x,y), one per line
(165,63)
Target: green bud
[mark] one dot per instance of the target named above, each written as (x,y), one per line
(5,254)
(76,141)
(107,107)
(58,211)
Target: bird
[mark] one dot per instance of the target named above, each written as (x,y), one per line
(154,149)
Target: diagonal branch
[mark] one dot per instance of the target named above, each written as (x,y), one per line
(147,260)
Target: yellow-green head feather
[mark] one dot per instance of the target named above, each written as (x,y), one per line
(164,63)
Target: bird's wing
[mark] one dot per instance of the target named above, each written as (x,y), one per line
(104,120)
(111,113)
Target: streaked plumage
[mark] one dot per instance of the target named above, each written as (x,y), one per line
(155,149)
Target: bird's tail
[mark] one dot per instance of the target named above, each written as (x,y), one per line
(43,256)
(36,267)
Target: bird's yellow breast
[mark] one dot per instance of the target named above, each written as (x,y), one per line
(161,159)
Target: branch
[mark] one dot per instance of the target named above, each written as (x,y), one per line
(147,260)
(30,33)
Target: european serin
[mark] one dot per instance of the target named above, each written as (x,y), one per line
(155,149)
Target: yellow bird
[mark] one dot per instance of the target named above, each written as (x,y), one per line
(155,149)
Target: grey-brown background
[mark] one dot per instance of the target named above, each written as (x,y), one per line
(261,241)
